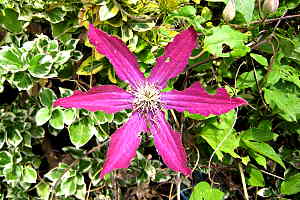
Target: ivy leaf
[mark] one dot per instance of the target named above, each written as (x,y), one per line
(5,158)
(14,137)
(141,27)
(108,11)
(90,66)
(9,18)
(203,191)
(29,175)
(68,186)
(23,81)
(55,15)
(43,190)
(42,116)
(10,60)
(57,119)
(47,97)
(40,65)
(225,35)
(81,132)
(291,185)
(69,116)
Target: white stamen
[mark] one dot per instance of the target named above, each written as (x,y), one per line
(147,98)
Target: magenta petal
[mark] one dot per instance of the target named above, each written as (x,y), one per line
(196,100)
(168,144)
(175,57)
(124,62)
(123,144)
(107,98)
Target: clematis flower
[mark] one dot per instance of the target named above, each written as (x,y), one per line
(147,101)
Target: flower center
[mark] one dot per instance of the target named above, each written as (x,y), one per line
(147,98)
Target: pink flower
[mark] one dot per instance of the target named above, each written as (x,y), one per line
(147,101)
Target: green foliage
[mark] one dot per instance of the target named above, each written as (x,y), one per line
(50,152)
(203,191)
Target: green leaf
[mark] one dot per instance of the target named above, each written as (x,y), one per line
(246,8)
(69,116)
(5,158)
(141,27)
(62,57)
(42,116)
(264,149)
(68,186)
(57,119)
(40,65)
(261,160)
(56,173)
(258,134)
(287,104)
(290,73)
(64,92)
(9,19)
(89,66)
(203,191)
(108,11)
(29,175)
(217,130)
(247,79)
(13,173)
(291,185)
(2,139)
(81,132)
(187,11)
(256,178)
(10,60)
(225,35)
(23,81)
(55,15)
(14,137)
(47,97)
(43,190)
(260,59)
(81,192)
(42,43)
(99,117)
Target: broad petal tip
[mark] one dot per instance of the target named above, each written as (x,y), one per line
(196,100)
(175,57)
(123,144)
(107,98)
(124,62)
(169,145)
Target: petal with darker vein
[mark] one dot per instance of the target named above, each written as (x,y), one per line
(168,144)
(124,62)
(123,144)
(107,98)
(175,58)
(196,100)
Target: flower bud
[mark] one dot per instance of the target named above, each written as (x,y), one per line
(229,11)
(270,6)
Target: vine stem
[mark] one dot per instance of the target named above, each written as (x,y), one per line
(219,146)
(178,185)
(246,196)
